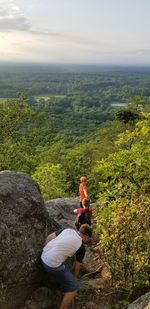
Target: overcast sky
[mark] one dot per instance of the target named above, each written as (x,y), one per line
(75,31)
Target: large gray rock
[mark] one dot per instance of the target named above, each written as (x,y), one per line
(61,209)
(24,225)
(142,302)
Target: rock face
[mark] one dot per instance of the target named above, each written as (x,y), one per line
(61,209)
(25,221)
(142,302)
(24,225)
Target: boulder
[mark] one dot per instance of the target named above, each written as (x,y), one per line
(25,221)
(24,224)
(142,302)
(61,209)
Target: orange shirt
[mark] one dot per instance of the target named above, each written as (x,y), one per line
(82,191)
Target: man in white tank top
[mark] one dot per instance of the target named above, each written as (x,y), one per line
(59,246)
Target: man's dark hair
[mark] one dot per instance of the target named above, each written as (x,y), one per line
(85,229)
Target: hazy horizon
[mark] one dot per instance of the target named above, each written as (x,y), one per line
(85,32)
(40,63)
(61,68)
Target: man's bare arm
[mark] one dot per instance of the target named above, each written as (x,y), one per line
(50,237)
(76,268)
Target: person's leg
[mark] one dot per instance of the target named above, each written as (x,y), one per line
(67,280)
(81,206)
(67,299)
(70,285)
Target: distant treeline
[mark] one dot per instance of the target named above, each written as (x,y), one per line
(108,83)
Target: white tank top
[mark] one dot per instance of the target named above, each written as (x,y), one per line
(59,249)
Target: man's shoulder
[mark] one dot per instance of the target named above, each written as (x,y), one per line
(70,231)
(63,230)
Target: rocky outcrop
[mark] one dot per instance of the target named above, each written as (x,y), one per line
(24,224)
(61,210)
(142,302)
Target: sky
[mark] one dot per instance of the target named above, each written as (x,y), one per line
(75,31)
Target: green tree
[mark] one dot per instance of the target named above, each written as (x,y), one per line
(124,215)
(14,114)
(51,179)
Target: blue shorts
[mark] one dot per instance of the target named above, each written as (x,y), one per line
(63,276)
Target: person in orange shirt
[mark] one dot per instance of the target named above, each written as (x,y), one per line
(83,190)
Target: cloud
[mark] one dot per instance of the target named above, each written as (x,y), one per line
(143,52)
(12,19)
(46,33)
(9,24)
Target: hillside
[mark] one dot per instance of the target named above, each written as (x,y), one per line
(71,129)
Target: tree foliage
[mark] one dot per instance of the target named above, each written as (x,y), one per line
(124,215)
(51,179)
(70,131)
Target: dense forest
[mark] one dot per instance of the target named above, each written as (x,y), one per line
(57,124)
